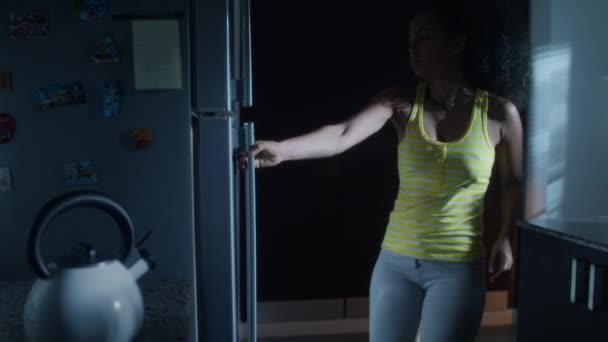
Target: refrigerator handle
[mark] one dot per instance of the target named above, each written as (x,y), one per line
(250,193)
(246,54)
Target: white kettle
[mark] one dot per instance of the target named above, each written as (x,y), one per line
(86,297)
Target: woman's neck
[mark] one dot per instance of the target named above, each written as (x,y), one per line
(449,90)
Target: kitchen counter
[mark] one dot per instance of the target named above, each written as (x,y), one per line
(166,305)
(591,233)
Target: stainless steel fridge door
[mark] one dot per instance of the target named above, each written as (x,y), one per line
(211,60)
(215,142)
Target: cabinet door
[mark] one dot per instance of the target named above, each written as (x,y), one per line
(545,308)
(593,321)
(544,289)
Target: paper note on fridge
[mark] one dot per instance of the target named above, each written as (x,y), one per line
(157,54)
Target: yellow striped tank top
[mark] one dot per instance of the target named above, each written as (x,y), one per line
(438,213)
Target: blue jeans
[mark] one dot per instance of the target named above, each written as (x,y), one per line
(444,299)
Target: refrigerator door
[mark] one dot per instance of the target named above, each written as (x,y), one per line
(215,142)
(211,56)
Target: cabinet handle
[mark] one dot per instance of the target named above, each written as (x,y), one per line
(577,277)
(596,288)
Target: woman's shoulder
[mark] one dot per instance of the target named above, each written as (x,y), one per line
(500,108)
(397,97)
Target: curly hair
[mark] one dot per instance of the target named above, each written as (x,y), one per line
(496,54)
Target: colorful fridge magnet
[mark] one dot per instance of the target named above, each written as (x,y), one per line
(90,10)
(28,25)
(7,128)
(6,84)
(110,99)
(141,137)
(106,50)
(59,95)
(6,183)
(83,172)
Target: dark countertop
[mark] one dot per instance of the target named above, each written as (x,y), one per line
(166,310)
(592,233)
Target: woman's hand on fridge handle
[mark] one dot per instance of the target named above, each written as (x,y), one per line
(265,154)
(327,141)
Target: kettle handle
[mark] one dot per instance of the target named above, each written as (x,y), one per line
(68,201)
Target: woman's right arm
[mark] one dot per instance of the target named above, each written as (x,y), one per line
(326,141)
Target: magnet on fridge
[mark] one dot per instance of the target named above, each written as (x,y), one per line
(6,183)
(110,99)
(5,81)
(59,95)
(106,50)
(28,25)
(90,9)
(83,172)
(7,128)
(141,137)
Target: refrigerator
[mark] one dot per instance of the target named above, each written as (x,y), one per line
(183,184)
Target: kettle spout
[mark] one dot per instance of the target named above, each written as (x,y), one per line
(142,265)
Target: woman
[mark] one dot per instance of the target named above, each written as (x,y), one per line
(430,271)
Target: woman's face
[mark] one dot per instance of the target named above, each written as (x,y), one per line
(433,52)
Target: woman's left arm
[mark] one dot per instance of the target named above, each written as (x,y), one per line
(510,169)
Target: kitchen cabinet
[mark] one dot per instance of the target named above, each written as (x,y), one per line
(561,287)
